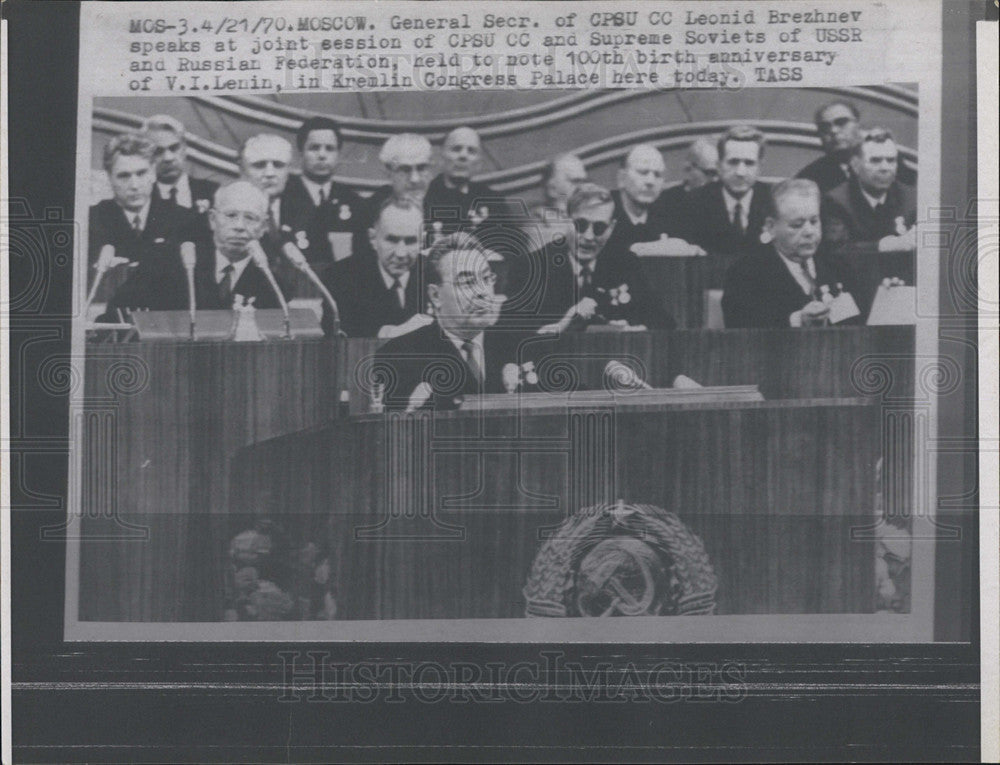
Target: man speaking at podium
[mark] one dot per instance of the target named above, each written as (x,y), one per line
(461,352)
(224,268)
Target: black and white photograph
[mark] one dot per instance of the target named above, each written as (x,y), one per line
(398,351)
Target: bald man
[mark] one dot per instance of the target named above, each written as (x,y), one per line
(700,167)
(453,195)
(224,268)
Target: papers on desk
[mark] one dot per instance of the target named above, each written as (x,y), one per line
(667,247)
(893,304)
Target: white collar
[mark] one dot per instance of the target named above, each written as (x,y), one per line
(221,261)
(314,188)
(872,201)
(143,215)
(796,267)
(744,201)
(183,187)
(389,278)
(477,341)
(578,266)
(636,219)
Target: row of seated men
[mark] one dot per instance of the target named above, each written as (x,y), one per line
(849,204)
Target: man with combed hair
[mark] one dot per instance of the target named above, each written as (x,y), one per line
(726,217)
(839,126)
(873,211)
(570,285)
(461,353)
(701,166)
(173,183)
(135,221)
(408,161)
(560,178)
(789,283)
(378,297)
(323,217)
(265,161)
(223,267)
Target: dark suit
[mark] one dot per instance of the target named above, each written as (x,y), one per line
(308,225)
(160,284)
(759,291)
(167,225)
(427,355)
(851,225)
(365,304)
(202,200)
(670,208)
(627,233)
(544,286)
(707,222)
(827,173)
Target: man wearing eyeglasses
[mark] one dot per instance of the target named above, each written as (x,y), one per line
(378,297)
(571,285)
(873,211)
(839,126)
(461,352)
(223,269)
(407,160)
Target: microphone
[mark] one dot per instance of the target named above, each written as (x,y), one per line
(511,377)
(188,258)
(260,260)
(623,377)
(419,397)
(104,262)
(294,254)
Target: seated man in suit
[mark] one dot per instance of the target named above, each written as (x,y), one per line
(265,161)
(550,220)
(173,183)
(136,222)
(839,126)
(640,182)
(407,159)
(572,285)
(323,217)
(701,166)
(223,269)
(790,283)
(725,217)
(461,352)
(378,297)
(873,211)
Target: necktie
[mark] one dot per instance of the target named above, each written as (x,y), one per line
(226,286)
(322,196)
(173,194)
(137,224)
(738,219)
(469,351)
(804,266)
(397,286)
(586,276)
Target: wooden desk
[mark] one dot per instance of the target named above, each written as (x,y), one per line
(441,517)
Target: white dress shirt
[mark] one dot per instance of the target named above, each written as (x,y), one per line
(795,268)
(478,354)
(745,202)
(315,189)
(239,266)
(389,280)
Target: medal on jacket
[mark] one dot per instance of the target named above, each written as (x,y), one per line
(345,212)
(301,240)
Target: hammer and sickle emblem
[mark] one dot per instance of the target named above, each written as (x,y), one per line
(619,577)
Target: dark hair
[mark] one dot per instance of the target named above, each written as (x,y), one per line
(818,115)
(316,123)
(458,242)
(746,133)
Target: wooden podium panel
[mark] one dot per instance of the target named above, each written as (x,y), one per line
(441,516)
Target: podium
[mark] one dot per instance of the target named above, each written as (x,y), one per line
(218,325)
(440,515)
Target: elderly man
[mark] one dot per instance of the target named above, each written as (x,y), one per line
(266,161)
(136,222)
(790,283)
(839,126)
(407,159)
(223,270)
(701,166)
(873,211)
(323,217)
(453,194)
(173,184)
(560,178)
(571,285)
(460,353)
(727,216)
(378,297)
(640,183)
